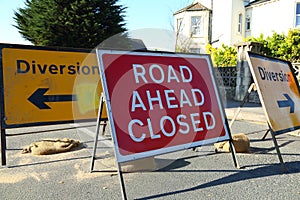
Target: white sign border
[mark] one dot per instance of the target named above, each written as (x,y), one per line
(121,158)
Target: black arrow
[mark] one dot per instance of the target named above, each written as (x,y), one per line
(38,98)
(287,103)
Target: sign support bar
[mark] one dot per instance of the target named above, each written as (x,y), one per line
(100,111)
(269,130)
(265,135)
(277,149)
(233,153)
(120,174)
(122,183)
(3,147)
(251,87)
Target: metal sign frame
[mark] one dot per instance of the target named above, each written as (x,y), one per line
(285,104)
(162,55)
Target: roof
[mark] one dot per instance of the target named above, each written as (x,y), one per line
(256,2)
(193,7)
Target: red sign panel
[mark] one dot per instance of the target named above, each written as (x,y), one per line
(159,103)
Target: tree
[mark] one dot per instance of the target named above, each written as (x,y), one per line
(70,23)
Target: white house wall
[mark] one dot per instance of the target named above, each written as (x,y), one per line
(221,22)
(184,29)
(237,9)
(274,16)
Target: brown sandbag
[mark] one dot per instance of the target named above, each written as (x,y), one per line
(240,141)
(51,146)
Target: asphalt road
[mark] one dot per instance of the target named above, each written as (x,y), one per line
(200,174)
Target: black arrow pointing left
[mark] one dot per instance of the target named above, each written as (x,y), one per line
(38,98)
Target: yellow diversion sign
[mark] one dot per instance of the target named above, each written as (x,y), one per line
(278,90)
(42,86)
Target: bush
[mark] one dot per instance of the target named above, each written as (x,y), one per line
(286,47)
(222,57)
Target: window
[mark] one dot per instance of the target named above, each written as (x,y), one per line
(240,23)
(297,16)
(248,23)
(195,50)
(195,25)
(179,25)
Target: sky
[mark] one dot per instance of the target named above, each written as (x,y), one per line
(140,14)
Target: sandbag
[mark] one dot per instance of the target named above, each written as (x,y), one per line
(240,141)
(51,146)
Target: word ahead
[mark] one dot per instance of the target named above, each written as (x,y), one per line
(38,98)
(160,103)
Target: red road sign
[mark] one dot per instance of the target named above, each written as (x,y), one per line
(159,102)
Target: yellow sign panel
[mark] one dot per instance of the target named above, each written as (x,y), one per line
(46,86)
(278,91)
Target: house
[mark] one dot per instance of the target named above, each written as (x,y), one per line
(230,21)
(192,25)
(267,16)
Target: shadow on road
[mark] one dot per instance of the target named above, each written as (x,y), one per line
(240,175)
(48,162)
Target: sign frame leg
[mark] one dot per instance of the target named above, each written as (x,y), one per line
(3,147)
(250,89)
(100,110)
(277,149)
(233,153)
(122,182)
(265,135)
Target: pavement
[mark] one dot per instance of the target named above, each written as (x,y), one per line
(248,111)
(187,174)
